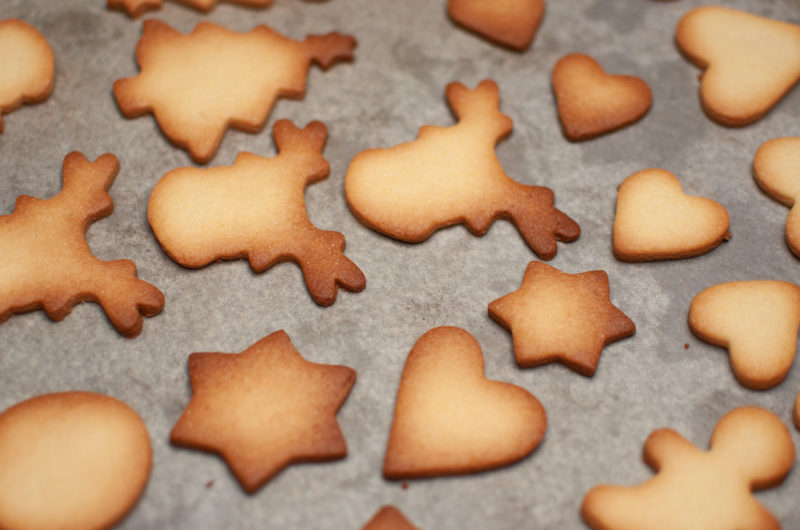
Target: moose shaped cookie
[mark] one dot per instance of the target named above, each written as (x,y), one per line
(757,321)
(27,67)
(46,263)
(255,209)
(134,8)
(449,419)
(700,490)
(187,81)
(451,175)
(750,62)
(777,171)
(511,23)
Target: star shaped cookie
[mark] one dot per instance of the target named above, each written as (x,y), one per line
(264,409)
(555,316)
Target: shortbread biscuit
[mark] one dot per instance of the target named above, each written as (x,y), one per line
(511,23)
(255,209)
(389,518)
(135,8)
(71,460)
(776,168)
(264,409)
(27,67)
(757,321)
(751,449)
(655,220)
(555,316)
(186,80)
(750,62)
(47,263)
(450,420)
(591,102)
(451,175)
(796,411)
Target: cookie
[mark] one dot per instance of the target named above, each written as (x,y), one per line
(255,209)
(389,518)
(263,409)
(451,175)
(47,263)
(71,460)
(592,102)
(796,412)
(776,168)
(185,80)
(757,321)
(750,62)
(450,420)
(27,67)
(750,450)
(655,220)
(135,8)
(511,23)
(555,316)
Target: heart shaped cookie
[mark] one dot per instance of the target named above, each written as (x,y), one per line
(592,102)
(655,220)
(511,23)
(757,321)
(449,419)
(751,62)
(776,168)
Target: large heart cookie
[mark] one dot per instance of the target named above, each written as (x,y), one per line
(449,419)
(655,220)
(777,170)
(592,102)
(750,61)
(512,23)
(757,321)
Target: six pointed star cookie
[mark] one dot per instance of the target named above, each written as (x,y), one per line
(264,409)
(559,316)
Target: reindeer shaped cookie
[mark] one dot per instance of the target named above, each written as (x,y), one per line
(255,209)
(451,175)
(46,263)
(704,490)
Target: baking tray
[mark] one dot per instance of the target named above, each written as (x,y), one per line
(408,52)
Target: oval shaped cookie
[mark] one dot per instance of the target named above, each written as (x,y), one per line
(71,460)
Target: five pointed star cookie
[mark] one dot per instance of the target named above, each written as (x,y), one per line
(264,409)
(559,316)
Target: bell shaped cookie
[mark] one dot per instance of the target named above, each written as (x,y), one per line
(776,168)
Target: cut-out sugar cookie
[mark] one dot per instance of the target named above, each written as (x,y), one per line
(511,23)
(555,316)
(185,80)
(389,518)
(451,175)
(750,62)
(796,412)
(135,8)
(255,209)
(71,460)
(264,409)
(776,168)
(591,102)
(757,321)
(27,67)
(655,220)
(450,420)
(751,449)
(46,262)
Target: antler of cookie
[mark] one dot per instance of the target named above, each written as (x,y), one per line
(451,175)
(46,262)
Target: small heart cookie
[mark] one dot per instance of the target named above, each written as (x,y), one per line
(592,102)
(449,419)
(776,168)
(655,220)
(511,23)
(389,518)
(757,321)
(750,62)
